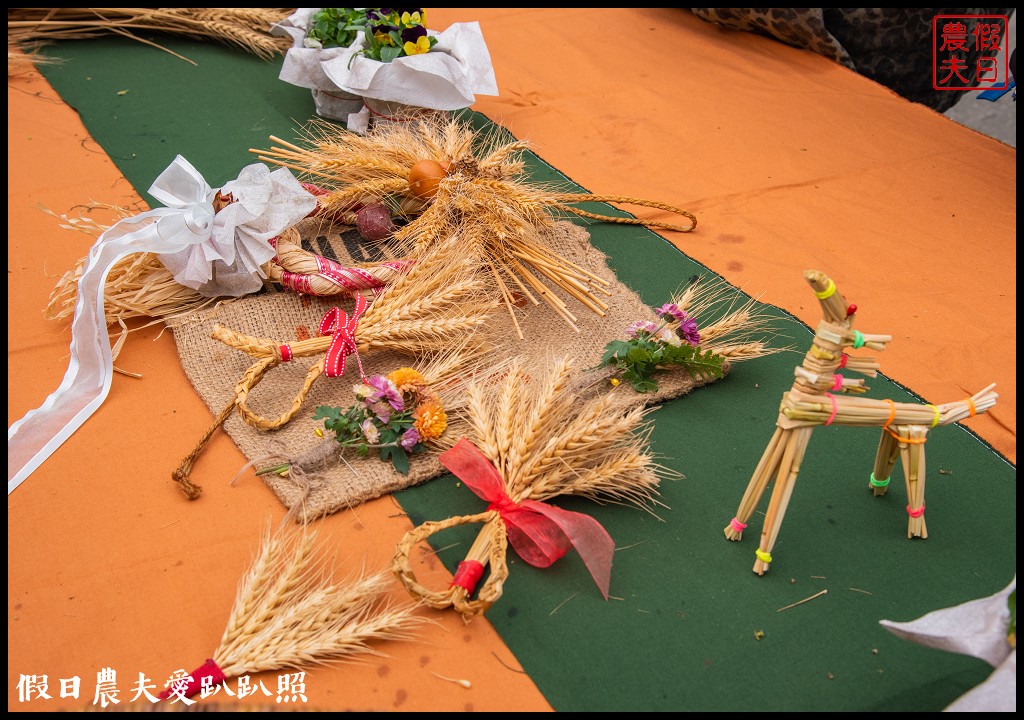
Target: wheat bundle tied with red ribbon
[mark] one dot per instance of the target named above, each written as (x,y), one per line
(290,612)
(440,305)
(534,438)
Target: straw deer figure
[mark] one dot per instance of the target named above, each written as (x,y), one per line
(821,396)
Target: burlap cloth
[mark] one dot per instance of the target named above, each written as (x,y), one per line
(214,368)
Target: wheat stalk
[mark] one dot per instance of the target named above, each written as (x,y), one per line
(289,612)
(245,28)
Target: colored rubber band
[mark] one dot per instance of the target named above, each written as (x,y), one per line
(892,414)
(827,292)
(837,384)
(467,575)
(737,525)
(970,406)
(907,440)
(915,513)
(763,556)
(286,353)
(936,411)
(835,409)
(879,483)
(858,339)
(842,360)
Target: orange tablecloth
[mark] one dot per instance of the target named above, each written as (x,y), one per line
(790,162)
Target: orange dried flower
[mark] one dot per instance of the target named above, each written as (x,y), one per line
(407,380)
(430,419)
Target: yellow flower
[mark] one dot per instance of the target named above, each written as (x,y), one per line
(384,38)
(411,20)
(430,419)
(407,380)
(421,45)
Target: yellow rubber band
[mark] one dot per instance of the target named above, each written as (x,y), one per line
(826,293)
(763,556)
(936,411)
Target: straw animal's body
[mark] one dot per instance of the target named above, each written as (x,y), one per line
(811,403)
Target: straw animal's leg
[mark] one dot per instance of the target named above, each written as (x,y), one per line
(885,461)
(789,468)
(912,456)
(766,468)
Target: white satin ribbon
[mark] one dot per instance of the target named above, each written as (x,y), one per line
(187,220)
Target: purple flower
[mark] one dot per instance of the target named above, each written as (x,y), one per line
(645,326)
(413,34)
(670,312)
(380,395)
(688,330)
(409,439)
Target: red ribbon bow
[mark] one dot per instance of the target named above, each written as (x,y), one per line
(337,323)
(539,533)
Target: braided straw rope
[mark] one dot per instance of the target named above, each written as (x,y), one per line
(311,274)
(436,306)
(489,548)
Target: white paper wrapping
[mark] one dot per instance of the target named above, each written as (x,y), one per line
(449,77)
(187,229)
(977,628)
(227,263)
(302,67)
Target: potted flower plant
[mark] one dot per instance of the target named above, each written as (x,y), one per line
(320,35)
(396,64)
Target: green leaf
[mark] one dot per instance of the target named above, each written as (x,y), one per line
(644,386)
(388,53)
(400,460)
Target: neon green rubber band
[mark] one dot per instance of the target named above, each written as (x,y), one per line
(936,411)
(879,483)
(858,339)
(763,556)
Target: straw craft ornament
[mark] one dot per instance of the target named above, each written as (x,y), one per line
(676,342)
(247,29)
(141,286)
(443,179)
(821,396)
(438,306)
(533,438)
(290,612)
(408,410)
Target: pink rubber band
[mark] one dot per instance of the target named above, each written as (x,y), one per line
(737,525)
(842,360)
(838,383)
(835,409)
(915,513)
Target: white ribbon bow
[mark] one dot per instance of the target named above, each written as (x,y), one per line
(185,225)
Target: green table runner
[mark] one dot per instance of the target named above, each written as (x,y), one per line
(690,626)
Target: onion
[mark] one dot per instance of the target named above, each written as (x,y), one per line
(425,176)
(374,222)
